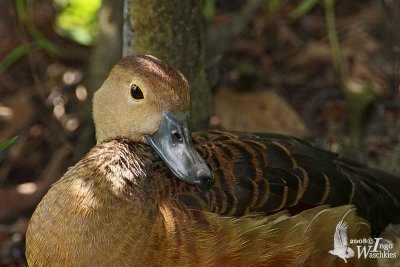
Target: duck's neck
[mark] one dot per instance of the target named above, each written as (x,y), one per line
(100,203)
(124,166)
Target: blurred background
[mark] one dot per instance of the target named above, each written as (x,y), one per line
(323,70)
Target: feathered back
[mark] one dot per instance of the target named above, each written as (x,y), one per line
(271,172)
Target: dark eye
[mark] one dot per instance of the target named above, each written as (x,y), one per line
(136,92)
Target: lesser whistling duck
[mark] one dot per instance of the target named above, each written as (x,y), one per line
(152,194)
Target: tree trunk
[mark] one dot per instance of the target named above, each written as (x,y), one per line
(174,31)
(107,51)
(108,45)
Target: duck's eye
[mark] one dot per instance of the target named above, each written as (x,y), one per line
(136,92)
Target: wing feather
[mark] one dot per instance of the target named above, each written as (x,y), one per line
(271,172)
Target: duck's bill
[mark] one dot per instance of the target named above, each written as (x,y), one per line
(173,143)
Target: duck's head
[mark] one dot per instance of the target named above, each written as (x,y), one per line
(147,101)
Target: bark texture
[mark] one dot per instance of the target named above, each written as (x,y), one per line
(174,31)
(107,51)
(108,48)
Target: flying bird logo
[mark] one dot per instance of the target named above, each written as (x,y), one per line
(340,244)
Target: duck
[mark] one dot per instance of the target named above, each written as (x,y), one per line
(152,193)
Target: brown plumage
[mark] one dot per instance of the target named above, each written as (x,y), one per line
(122,206)
(271,172)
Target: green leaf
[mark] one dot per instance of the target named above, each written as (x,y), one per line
(77,19)
(21,9)
(8,143)
(303,8)
(42,41)
(209,9)
(272,5)
(13,56)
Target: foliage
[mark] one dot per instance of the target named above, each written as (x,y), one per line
(78,19)
(209,9)
(13,56)
(359,94)
(22,7)
(39,39)
(7,143)
(272,5)
(303,8)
